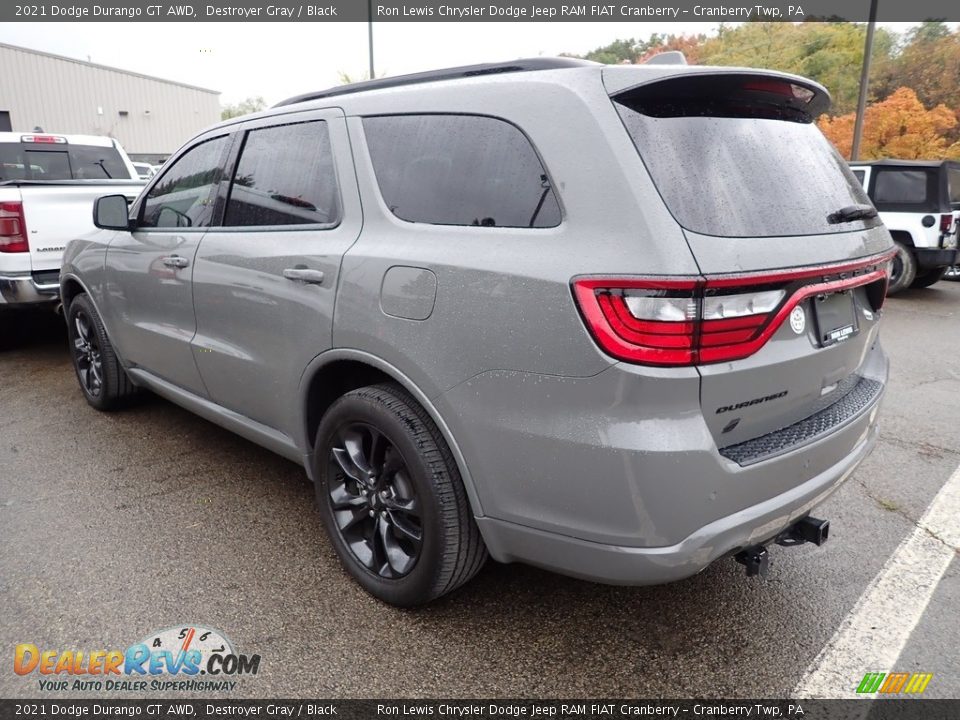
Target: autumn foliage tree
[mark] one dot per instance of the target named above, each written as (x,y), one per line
(898,127)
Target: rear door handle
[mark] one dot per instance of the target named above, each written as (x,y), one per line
(175,261)
(304,275)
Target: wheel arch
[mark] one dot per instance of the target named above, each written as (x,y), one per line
(336,372)
(903,236)
(70,287)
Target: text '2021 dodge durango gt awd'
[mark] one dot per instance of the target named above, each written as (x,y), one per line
(616,322)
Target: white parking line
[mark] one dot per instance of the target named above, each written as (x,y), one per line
(872,636)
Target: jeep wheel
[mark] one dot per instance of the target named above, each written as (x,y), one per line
(903,270)
(391,498)
(102,379)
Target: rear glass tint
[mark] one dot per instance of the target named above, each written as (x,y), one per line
(29,161)
(460,170)
(740,156)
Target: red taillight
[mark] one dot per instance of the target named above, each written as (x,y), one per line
(698,320)
(946,222)
(13,228)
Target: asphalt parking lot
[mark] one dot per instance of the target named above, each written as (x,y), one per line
(113,526)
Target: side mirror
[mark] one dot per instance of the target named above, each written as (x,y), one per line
(111,213)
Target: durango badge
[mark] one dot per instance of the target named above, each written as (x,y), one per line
(798,320)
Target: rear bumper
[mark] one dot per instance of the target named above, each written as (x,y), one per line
(627,565)
(930,258)
(24,289)
(616,478)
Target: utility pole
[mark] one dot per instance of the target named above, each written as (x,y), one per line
(864,82)
(370,35)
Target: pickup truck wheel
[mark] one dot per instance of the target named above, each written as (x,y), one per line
(904,269)
(928,278)
(391,498)
(102,379)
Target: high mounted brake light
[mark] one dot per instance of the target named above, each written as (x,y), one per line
(698,320)
(13,228)
(45,139)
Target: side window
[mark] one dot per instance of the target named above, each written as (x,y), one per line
(953,178)
(460,170)
(184,195)
(285,176)
(901,187)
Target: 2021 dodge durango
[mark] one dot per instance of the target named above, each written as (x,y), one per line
(616,322)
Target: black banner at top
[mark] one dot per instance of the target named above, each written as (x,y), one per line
(199,709)
(476,10)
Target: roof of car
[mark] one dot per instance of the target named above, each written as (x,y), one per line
(454,73)
(891,162)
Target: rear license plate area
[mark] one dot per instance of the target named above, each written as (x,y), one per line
(835,318)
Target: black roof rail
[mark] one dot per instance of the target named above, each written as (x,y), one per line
(455,73)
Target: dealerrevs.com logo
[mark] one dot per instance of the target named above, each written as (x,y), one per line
(188,657)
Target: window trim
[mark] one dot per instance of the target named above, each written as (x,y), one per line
(240,142)
(225,159)
(502,228)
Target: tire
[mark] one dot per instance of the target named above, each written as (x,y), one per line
(928,278)
(952,273)
(385,477)
(904,269)
(102,379)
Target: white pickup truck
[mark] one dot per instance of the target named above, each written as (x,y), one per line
(47,187)
(919,202)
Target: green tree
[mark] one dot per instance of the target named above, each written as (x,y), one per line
(244,107)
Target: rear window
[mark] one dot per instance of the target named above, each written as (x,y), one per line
(29,161)
(460,170)
(740,156)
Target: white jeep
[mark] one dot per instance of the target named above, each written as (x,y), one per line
(919,202)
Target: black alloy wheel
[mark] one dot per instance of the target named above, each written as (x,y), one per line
(374,502)
(87,354)
(102,378)
(392,499)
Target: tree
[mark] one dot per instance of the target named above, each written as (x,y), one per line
(898,127)
(930,64)
(245,107)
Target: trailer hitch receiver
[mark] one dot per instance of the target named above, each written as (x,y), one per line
(808,530)
(755,559)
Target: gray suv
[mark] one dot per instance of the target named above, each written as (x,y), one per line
(616,322)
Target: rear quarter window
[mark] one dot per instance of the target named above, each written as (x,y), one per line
(913,190)
(460,170)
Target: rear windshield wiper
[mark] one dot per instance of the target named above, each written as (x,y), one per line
(852,212)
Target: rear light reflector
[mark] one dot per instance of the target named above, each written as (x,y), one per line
(697,320)
(946,222)
(13,228)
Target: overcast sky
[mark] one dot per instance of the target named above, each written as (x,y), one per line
(277,60)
